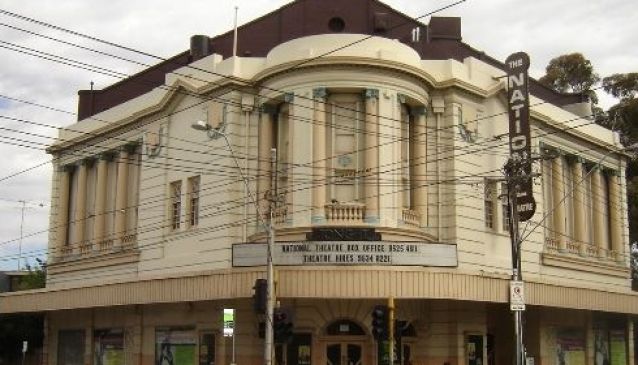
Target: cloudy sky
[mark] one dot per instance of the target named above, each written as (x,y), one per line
(603,30)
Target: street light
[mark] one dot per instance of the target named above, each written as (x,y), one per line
(215,133)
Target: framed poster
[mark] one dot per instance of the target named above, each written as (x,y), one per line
(617,347)
(109,346)
(175,346)
(570,347)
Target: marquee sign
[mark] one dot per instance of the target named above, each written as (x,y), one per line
(517,65)
(372,253)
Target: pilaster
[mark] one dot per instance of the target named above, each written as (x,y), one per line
(371,180)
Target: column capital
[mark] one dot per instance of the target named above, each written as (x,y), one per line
(610,172)
(418,111)
(129,147)
(66,167)
(592,166)
(571,158)
(268,109)
(401,98)
(320,93)
(371,94)
(289,97)
(85,161)
(106,155)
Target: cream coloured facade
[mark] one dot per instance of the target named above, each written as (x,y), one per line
(387,171)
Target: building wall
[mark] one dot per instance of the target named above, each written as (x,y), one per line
(460,153)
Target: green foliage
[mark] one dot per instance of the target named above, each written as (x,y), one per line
(622,86)
(36,278)
(571,73)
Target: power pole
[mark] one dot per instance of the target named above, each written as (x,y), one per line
(516,286)
(24,203)
(270,303)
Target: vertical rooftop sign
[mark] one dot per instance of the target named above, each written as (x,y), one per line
(517,65)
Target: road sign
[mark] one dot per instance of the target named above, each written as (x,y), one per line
(517,296)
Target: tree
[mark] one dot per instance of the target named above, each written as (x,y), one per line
(622,86)
(623,117)
(571,73)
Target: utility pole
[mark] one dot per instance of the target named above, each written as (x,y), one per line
(24,203)
(270,303)
(516,286)
(520,189)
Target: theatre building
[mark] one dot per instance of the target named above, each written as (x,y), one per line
(390,139)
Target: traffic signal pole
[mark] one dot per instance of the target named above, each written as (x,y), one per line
(391,330)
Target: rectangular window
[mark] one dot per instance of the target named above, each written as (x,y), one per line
(176,204)
(489,199)
(346,164)
(505,208)
(193,201)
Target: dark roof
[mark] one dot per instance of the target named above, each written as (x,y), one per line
(440,39)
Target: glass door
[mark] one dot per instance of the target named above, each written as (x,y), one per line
(344,354)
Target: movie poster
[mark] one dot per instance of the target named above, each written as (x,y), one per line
(109,347)
(175,346)
(618,347)
(601,346)
(570,347)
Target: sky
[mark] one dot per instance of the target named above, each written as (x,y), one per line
(603,30)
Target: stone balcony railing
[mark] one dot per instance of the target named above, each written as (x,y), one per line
(105,245)
(345,213)
(93,248)
(582,249)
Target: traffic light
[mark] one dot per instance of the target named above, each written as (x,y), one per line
(380,322)
(282,326)
(260,296)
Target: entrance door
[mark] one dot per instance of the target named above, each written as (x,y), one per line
(344,353)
